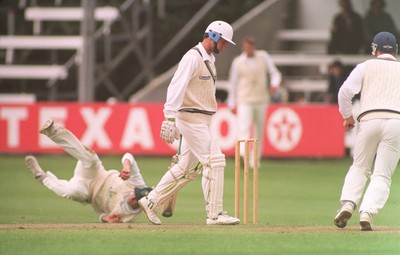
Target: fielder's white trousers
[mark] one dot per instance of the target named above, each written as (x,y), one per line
(377,139)
(89,164)
(248,116)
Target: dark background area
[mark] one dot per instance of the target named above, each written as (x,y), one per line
(178,12)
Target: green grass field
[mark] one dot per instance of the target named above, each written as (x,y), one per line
(297,202)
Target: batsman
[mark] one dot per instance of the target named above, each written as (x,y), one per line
(188,110)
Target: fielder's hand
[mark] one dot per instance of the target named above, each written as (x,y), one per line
(349,123)
(169,132)
(125,173)
(110,218)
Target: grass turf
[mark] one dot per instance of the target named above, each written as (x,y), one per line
(297,202)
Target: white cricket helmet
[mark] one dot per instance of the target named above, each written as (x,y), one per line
(224,30)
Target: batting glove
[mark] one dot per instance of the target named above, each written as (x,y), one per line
(169,132)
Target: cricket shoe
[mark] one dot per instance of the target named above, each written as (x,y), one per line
(366,221)
(223,219)
(33,166)
(49,128)
(344,215)
(147,207)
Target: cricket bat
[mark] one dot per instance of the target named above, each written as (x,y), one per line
(167,209)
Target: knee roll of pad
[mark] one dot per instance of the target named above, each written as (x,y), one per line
(217,161)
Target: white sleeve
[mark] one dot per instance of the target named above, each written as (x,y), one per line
(177,88)
(131,217)
(136,178)
(127,156)
(275,74)
(101,216)
(349,89)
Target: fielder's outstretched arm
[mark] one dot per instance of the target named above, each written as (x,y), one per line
(109,218)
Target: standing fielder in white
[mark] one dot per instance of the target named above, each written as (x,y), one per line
(112,194)
(249,93)
(190,104)
(378,136)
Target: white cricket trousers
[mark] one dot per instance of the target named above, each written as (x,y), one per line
(77,188)
(248,116)
(379,139)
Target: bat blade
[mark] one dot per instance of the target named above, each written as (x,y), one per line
(168,207)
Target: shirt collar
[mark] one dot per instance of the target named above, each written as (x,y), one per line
(387,56)
(204,53)
(244,55)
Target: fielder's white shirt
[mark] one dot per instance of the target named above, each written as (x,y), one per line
(352,86)
(243,61)
(176,89)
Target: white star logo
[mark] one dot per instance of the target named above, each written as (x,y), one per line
(284,129)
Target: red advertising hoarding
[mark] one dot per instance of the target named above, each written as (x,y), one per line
(290,130)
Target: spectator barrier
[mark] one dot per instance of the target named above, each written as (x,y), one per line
(291,130)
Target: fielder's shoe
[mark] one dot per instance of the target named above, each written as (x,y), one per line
(344,215)
(33,166)
(49,128)
(147,207)
(223,219)
(366,221)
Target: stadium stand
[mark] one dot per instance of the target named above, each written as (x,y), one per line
(133,61)
(12,70)
(38,15)
(11,43)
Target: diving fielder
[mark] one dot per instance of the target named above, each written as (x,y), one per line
(188,111)
(112,194)
(377,149)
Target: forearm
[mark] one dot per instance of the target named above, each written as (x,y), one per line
(127,161)
(345,102)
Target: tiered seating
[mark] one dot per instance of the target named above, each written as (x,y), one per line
(314,58)
(46,72)
(105,14)
(34,42)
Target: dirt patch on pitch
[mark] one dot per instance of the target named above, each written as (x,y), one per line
(195,228)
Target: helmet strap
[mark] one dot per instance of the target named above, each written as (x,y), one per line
(374,47)
(215,48)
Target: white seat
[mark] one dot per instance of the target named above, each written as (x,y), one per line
(17,98)
(307,85)
(302,59)
(11,43)
(106,14)
(304,35)
(41,42)
(37,72)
